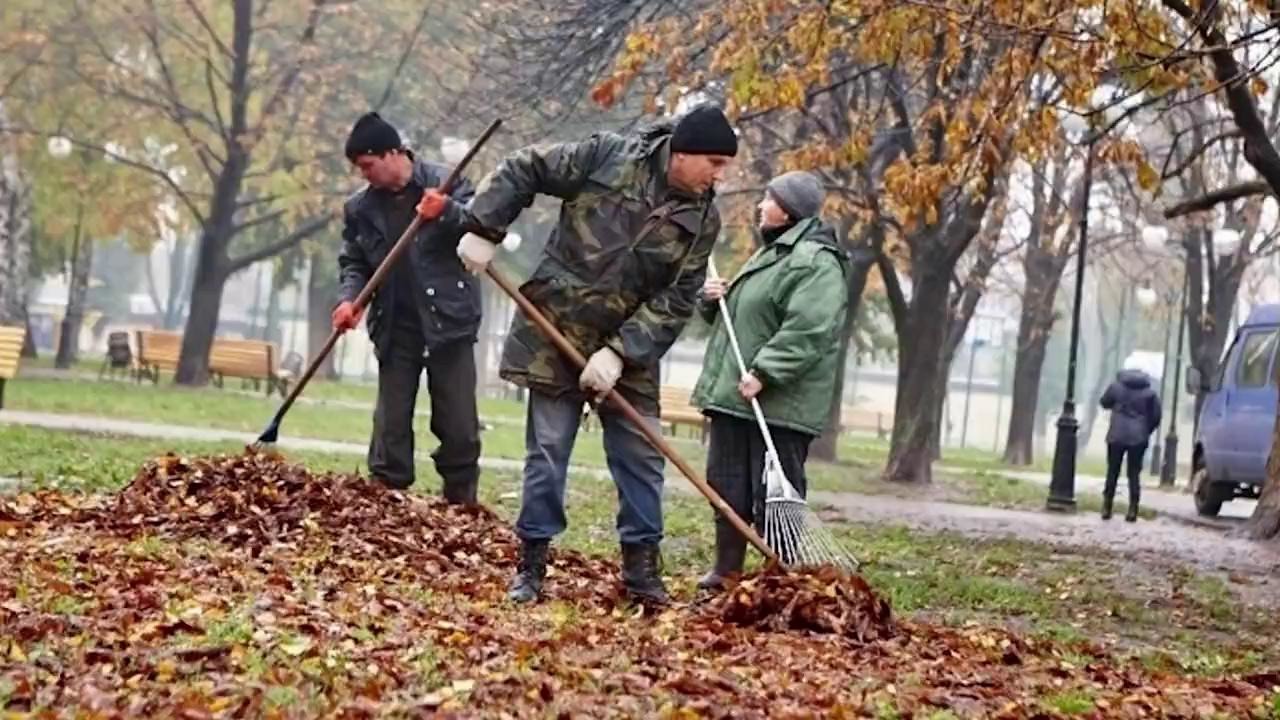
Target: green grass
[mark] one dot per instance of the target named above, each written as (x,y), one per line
(211,408)
(1071,702)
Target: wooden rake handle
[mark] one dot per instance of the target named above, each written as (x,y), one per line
(629,411)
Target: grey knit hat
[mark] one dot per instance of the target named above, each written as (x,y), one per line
(798,192)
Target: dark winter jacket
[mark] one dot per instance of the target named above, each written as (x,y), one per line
(1134,406)
(450,297)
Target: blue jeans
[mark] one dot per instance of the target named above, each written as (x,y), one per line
(636,466)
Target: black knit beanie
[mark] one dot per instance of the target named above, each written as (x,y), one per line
(704,130)
(371,135)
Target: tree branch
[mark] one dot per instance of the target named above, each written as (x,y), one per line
(1182,166)
(1259,150)
(409,45)
(1217,197)
(306,230)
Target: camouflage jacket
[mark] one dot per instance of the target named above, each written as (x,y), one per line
(622,267)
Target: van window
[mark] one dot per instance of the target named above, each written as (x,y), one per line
(1254,366)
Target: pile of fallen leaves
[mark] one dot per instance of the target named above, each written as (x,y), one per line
(241,587)
(824,600)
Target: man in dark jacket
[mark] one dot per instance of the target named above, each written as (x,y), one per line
(1135,414)
(425,316)
(619,277)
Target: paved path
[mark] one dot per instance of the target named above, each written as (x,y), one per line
(1175,503)
(1154,541)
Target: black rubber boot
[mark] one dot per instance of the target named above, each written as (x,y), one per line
(641,573)
(461,490)
(1108,502)
(1135,492)
(526,586)
(731,553)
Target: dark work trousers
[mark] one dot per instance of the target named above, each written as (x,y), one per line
(451,384)
(1116,455)
(735,464)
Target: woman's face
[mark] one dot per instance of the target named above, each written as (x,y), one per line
(771,213)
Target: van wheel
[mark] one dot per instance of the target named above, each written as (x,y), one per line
(1209,497)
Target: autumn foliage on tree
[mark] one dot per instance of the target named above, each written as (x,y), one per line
(937,100)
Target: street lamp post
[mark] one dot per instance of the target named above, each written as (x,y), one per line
(1062,485)
(1004,356)
(1164,379)
(1169,470)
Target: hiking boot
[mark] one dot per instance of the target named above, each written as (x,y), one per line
(461,491)
(641,568)
(526,586)
(731,552)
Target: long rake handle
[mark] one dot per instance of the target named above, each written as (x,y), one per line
(742,370)
(375,281)
(629,411)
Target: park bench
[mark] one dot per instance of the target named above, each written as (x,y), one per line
(11,339)
(157,350)
(854,419)
(250,360)
(676,412)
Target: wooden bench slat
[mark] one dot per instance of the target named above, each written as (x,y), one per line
(11,339)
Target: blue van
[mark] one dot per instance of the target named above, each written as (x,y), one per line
(1233,436)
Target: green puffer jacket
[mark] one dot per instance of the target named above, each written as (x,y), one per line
(788,307)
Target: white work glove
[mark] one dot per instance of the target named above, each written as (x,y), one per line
(476,253)
(602,372)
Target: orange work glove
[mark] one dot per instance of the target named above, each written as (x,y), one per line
(345,316)
(433,204)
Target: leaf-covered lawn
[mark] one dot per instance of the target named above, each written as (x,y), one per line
(247,587)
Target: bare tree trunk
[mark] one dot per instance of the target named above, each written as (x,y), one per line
(181,281)
(825,446)
(922,346)
(322,296)
(15,237)
(1265,521)
(271,328)
(77,290)
(1035,327)
(1209,324)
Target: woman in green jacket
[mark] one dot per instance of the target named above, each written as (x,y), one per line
(787,305)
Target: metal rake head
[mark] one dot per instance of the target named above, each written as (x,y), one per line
(794,530)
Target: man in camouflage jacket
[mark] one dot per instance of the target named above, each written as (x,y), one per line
(619,277)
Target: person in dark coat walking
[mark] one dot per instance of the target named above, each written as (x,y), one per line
(425,316)
(1135,414)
